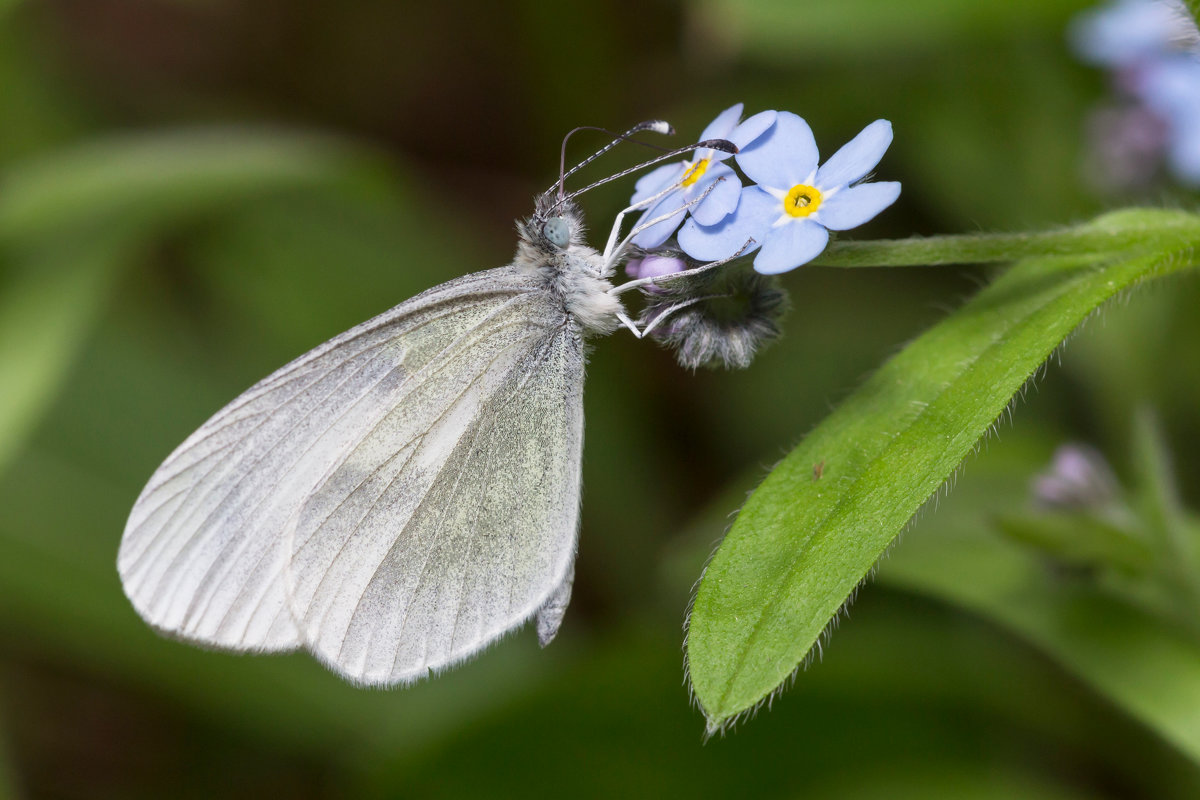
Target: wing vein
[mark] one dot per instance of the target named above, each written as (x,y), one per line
(538,360)
(432,367)
(262,496)
(267,414)
(416,509)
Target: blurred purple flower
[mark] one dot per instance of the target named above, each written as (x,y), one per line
(1078,477)
(1125,145)
(654,266)
(794,206)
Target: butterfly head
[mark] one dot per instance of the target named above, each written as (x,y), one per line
(552,238)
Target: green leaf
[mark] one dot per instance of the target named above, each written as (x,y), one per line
(1157,501)
(1145,663)
(1157,497)
(802,544)
(139,181)
(46,311)
(1079,539)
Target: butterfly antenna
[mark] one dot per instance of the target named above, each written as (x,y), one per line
(724,145)
(653,125)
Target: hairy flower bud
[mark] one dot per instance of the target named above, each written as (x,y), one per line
(717,318)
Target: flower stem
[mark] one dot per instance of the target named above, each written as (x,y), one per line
(1116,231)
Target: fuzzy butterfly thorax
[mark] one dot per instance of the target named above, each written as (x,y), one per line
(573,273)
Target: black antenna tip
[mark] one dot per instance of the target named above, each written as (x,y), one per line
(724,145)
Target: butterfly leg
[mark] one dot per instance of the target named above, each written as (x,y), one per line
(628,323)
(665,280)
(613,251)
(677,307)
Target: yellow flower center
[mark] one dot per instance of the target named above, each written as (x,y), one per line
(695,172)
(802,200)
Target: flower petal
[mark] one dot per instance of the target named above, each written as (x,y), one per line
(857,157)
(722,199)
(749,131)
(755,211)
(1124,33)
(659,232)
(790,245)
(656,180)
(723,125)
(851,207)
(657,266)
(782,157)
(1170,85)
(1183,152)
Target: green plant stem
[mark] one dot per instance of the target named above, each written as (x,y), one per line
(1117,231)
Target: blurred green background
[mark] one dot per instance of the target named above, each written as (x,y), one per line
(193,192)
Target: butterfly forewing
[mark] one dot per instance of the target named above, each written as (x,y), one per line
(207,544)
(454,519)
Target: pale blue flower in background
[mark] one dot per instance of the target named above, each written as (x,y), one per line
(1153,50)
(1126,32)
(1170,87)
(697,176)
(794,206)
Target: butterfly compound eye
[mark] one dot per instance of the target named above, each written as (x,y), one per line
(557,232)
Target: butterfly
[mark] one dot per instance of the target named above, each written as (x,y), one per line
(406,493)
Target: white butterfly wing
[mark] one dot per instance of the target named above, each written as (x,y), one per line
(454,520)
(205,549)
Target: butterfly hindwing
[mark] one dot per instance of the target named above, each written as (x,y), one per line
(454,519)
(206,547)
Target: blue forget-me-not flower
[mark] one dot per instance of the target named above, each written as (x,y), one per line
(692,179)
(1153,49)
(787,216)
(713,313)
